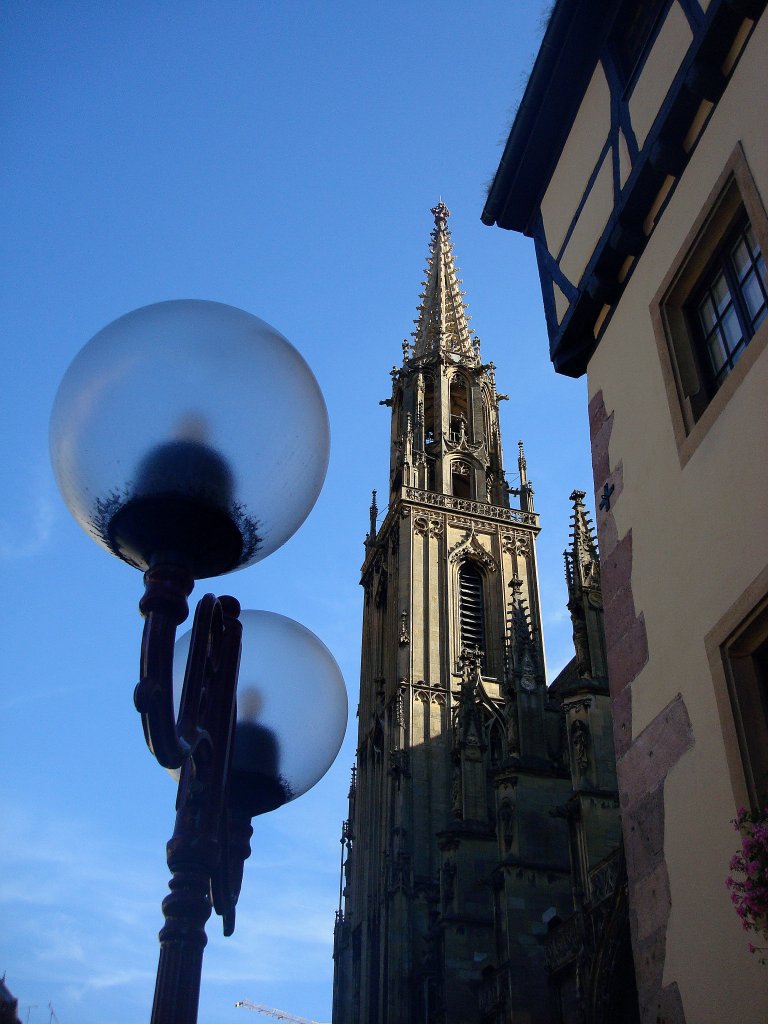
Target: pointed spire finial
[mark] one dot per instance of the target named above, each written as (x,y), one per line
(442,327)
(526,488)
(374,512)
(582,574)
(583,556)
(441,213)
(522,644)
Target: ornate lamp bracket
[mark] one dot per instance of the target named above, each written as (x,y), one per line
(164,607)
(211,839)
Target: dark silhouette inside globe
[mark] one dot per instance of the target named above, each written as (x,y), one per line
(169,529)
(256,785)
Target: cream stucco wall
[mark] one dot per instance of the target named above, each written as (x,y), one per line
(577,161)
(625,163)
(661,67)
(699,539)
(581,154)
(589,226)
(561,302)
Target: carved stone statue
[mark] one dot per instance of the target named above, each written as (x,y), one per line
(580,744)
(513,731)
(506,825)
(581,644)
(456,807)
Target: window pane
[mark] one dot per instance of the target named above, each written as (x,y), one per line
(731,329)
(727,307)
(741,258)
(717,352)
(753,296)
(720,292)
(749,234)
(707,315)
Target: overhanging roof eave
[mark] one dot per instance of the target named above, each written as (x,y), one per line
(560,75)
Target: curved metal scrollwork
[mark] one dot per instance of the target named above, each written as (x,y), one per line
(164,607)
(210,841)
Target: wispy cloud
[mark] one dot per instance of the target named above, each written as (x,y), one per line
(81,908)
(90,913)
(28,531)
(31,695)
(556,616)
(102,979)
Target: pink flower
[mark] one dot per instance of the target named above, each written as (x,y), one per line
(748,884)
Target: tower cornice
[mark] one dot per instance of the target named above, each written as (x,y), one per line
(468,506)
(413,501)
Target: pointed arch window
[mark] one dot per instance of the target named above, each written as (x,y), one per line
(429,410)
(471,608)
(459,408)
(461,480)
(496,741)
(489,435)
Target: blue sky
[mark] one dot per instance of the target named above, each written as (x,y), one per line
(281,157)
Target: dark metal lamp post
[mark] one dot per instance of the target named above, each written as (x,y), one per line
(191,439)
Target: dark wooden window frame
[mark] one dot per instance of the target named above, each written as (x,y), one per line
(722,263)
(737,650)
(693,407)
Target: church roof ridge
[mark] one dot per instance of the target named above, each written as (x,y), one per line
(442,325)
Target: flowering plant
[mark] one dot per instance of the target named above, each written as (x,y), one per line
(748,881)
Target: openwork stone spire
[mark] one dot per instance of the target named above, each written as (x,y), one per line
(585,600)
(582,562)
(523,648)
(443,324)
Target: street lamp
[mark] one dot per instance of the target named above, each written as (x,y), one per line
(190,439)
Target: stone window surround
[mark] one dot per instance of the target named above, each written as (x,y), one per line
(727,300)
(748,608)
(734,191)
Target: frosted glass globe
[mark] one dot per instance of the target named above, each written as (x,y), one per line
(291,710)
(189,432)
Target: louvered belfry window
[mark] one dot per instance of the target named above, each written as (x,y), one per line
(471,611)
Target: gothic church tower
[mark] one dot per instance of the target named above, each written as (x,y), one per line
(454,857)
